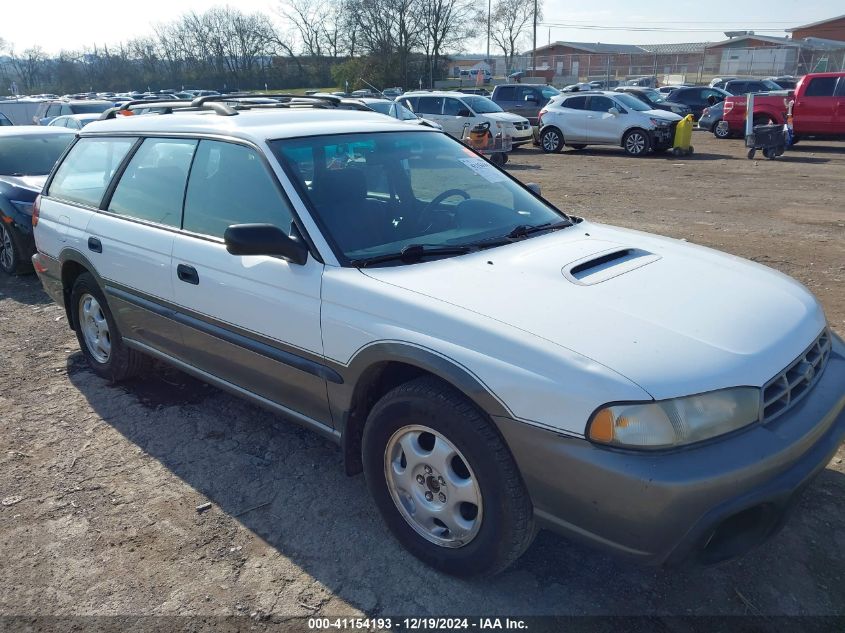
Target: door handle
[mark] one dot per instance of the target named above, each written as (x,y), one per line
(188,274)
(94,244)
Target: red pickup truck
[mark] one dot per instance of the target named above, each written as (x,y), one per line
(818,107)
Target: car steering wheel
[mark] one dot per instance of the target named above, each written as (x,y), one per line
(425,217)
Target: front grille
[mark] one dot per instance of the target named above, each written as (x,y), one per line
(521,126)
(790,385)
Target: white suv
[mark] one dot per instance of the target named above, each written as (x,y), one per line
(488,361)
(456,112)
(605,118)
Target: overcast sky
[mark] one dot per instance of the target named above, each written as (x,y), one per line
(56,24)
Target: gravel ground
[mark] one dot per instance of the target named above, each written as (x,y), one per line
(100,484)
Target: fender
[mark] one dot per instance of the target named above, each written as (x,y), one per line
(370,367)
(69,254)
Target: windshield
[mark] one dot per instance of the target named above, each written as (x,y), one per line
(655,96)
(632,103)
(31,155)
(403,113)
(481,105)
(771,85)
(549,92)
(90,108)
(375,194)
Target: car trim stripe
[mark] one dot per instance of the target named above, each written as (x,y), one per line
(281,356)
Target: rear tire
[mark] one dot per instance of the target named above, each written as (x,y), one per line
(98,336)
(551,140)
(444,481)
(12,260)
(636,142)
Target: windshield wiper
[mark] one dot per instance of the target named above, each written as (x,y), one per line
(413,253)
(527,229)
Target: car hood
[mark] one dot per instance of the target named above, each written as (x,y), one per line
(663,114)
(672,317)
(504,117)
(24,188)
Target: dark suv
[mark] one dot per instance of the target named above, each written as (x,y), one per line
(49,110)
(523,99)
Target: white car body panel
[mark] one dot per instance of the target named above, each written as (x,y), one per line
(669,343)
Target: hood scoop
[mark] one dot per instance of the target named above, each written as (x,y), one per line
(605,265)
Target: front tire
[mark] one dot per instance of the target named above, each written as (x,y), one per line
(551,140)
(636,143)
(444,481)
(98,336)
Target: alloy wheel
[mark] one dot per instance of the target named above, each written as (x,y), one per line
(7,250)
(95,328)
(433,486)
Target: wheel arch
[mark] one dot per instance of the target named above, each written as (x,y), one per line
(73,264)
(378,368)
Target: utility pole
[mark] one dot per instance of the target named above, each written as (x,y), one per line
(488,30)
(534,52)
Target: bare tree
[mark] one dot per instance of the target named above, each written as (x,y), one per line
(445,23)
(510,21)
(29,67)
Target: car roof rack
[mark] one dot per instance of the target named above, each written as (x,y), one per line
(223,105)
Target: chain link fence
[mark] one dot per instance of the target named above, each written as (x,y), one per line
(694,67)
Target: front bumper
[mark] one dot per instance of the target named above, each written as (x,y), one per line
(663,137)
(708,502)
(521,137)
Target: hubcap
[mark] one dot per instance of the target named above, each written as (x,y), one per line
(635,143)
(433,486)
(7,252)
(550,141)
(722,129)
(95,328)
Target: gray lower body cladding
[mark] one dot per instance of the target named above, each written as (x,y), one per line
(709,502)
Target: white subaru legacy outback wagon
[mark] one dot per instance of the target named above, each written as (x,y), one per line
(492,364)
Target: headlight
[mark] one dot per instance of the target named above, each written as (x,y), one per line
(23,207)
(660,122)
(675,422)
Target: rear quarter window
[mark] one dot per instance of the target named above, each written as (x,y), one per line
(88,169)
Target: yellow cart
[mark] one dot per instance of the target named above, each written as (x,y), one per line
(683,136)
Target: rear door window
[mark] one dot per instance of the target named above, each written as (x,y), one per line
(430,105)
(229,184)
(88,169)
(153,186)
(575,103)
(506,93)
(821,87)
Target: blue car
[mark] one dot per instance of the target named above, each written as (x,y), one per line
(27,154)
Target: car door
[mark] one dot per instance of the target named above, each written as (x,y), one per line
(432,108)
(572,119)
(133,241)
(252,321)
(839,108)
(604,128)
(506,98)
(816,106)
(530,101)
(455,117)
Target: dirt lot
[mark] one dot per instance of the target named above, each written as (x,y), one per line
(109,477)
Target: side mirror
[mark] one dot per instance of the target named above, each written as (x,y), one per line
(533,186)
(464,112)
(614,111)
(264,239)
(531,99)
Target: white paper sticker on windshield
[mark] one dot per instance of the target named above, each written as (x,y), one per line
(484,169)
